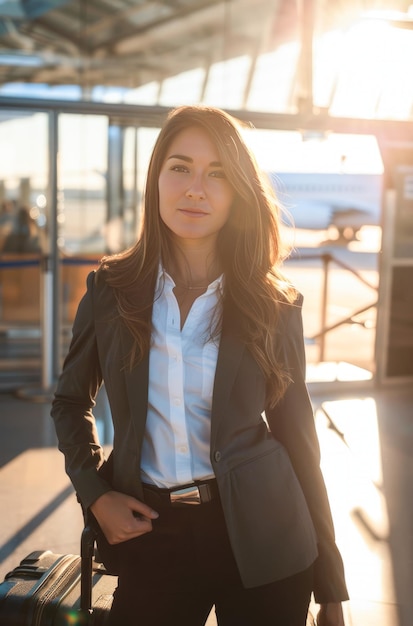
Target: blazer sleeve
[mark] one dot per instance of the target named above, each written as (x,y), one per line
(73,404)
(292,423)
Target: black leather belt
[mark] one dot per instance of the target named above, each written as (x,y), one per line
(183,495)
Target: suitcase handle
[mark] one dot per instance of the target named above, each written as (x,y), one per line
(87,546)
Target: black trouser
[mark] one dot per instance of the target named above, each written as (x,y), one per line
(176,573)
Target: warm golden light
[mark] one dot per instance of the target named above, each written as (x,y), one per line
(362,71)
(352,465)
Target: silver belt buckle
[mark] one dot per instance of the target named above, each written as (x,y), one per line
(188,495)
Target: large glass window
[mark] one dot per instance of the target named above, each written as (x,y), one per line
(23,215)
(329,185)
(83,160)
(137,148)
(24,212)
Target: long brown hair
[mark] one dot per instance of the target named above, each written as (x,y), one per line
(249,246)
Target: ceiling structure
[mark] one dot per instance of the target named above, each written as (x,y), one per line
(132,43)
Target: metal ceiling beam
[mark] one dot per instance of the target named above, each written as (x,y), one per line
(304,75)
(154,116)
(109,22)
(163,20)
(261,44)
(175,27)
(202,19)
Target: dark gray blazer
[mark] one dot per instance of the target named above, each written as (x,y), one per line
(271,487)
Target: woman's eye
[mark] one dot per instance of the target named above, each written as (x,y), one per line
(179,168)
(218,174)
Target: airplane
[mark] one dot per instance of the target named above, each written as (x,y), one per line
(340,202)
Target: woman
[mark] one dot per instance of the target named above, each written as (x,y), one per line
(198,337)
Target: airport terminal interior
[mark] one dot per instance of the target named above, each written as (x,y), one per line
(326,93)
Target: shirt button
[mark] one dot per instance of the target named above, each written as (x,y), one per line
(177,401)
(217,456)
(183,449)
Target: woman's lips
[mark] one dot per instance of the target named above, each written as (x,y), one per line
(193,212)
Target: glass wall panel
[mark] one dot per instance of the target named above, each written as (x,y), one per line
(138,144)
(329,185)
(23,233)
(83,228)
(83,157)
(23,214)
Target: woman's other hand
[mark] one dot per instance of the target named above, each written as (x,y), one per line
(330,614)
(122,517)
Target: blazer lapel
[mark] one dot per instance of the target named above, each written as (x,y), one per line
(137,381)
(230,352)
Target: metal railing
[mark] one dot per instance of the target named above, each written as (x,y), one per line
(327,259)
(46,304)
(319,337)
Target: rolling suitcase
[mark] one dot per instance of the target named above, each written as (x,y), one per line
(49,589)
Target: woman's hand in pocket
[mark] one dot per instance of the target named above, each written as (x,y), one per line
(122,517)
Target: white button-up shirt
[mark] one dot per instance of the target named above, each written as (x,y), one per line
(182,363)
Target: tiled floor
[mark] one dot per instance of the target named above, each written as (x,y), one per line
(366,441)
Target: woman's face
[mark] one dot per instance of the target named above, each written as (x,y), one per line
(194,195)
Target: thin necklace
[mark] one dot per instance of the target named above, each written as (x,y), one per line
(191,288)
